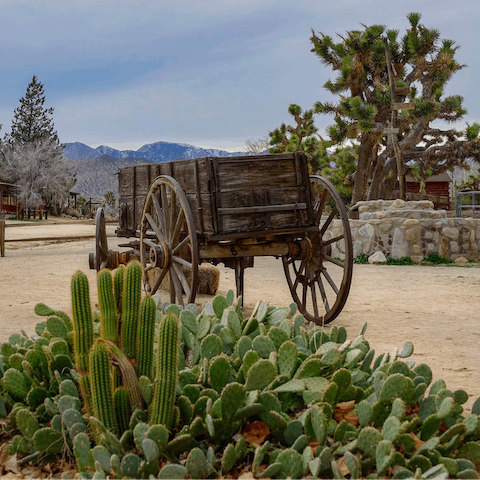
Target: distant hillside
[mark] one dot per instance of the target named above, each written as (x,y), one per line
(96,176)
(156,152)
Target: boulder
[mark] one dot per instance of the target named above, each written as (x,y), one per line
(377,257)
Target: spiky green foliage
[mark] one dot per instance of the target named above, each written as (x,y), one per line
(132,292)
(107,305)
(102,389)
(161,408)
(145,337)
(83,332)
(423,63)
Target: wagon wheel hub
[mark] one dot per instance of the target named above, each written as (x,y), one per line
(160,255)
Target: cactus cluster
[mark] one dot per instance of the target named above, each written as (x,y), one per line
(130,390)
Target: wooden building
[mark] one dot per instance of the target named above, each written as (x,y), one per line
(437,186)
(9,198)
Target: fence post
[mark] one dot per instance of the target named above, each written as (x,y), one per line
(2,235)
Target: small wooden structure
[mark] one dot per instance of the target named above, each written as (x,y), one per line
(436,185)
(229,210)
(9,198)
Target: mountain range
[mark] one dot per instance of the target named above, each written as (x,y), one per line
(156,152)
(95,168)
(97,176)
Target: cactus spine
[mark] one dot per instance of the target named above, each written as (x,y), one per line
(83,332)
(145,334)
(161,408)
(132,292)
(106,302)
(102,392)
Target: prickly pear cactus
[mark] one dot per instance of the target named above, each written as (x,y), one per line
(268,394)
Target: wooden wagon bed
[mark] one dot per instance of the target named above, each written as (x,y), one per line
(229,196)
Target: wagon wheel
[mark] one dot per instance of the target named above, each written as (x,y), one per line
(320,277)
(99,259)
(168,241)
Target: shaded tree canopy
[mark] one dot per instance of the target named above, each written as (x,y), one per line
(32,121)
(422,65)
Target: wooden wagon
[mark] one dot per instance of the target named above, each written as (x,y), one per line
(229,210)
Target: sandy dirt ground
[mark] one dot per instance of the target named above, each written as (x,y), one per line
(436,308)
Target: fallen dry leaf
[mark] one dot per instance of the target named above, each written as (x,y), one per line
(256,432)
(343,409)
(418,442)
(352,419)
(343,467)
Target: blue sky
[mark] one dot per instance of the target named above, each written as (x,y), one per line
(209,73)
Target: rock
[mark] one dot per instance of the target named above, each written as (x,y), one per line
(450,232)
(357,248)
(400,245)
(460,261)
(367,231)
(416,249)
(377,257)
(417,258)
(453,247)
(399,203)
(443,248)
(413,234)
(425,204)
(411,221)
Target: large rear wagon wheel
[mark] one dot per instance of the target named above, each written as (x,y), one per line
(168,241)
(320,278)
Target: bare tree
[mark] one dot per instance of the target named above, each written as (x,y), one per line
(257,146)
(40,170)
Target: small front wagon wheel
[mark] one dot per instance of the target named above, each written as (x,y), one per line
(168,241)
(320,278)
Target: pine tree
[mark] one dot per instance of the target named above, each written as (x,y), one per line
(32,121)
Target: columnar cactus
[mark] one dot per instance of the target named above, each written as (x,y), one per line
(132,293)
(101,381)
(145,336)
(161,408)
(83,332)
(118,278)
(106,302)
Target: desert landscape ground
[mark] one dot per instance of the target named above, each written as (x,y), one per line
(436,308)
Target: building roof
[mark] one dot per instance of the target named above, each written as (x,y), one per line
(441,177)
(5,184)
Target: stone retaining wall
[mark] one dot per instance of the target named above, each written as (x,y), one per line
(410,229)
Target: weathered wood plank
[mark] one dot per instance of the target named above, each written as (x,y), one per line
(262,209)
(403,106)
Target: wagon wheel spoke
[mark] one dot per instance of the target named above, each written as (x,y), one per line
(334,260)
(323,294)
(155,227)
(159,279)
(177,228)
(166,216)
(182,278)
(158,212)
(328,221)
(165,209)
(320,206)
(181,245)
(177,288)
(333,240)
(305,271)
(181,261)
